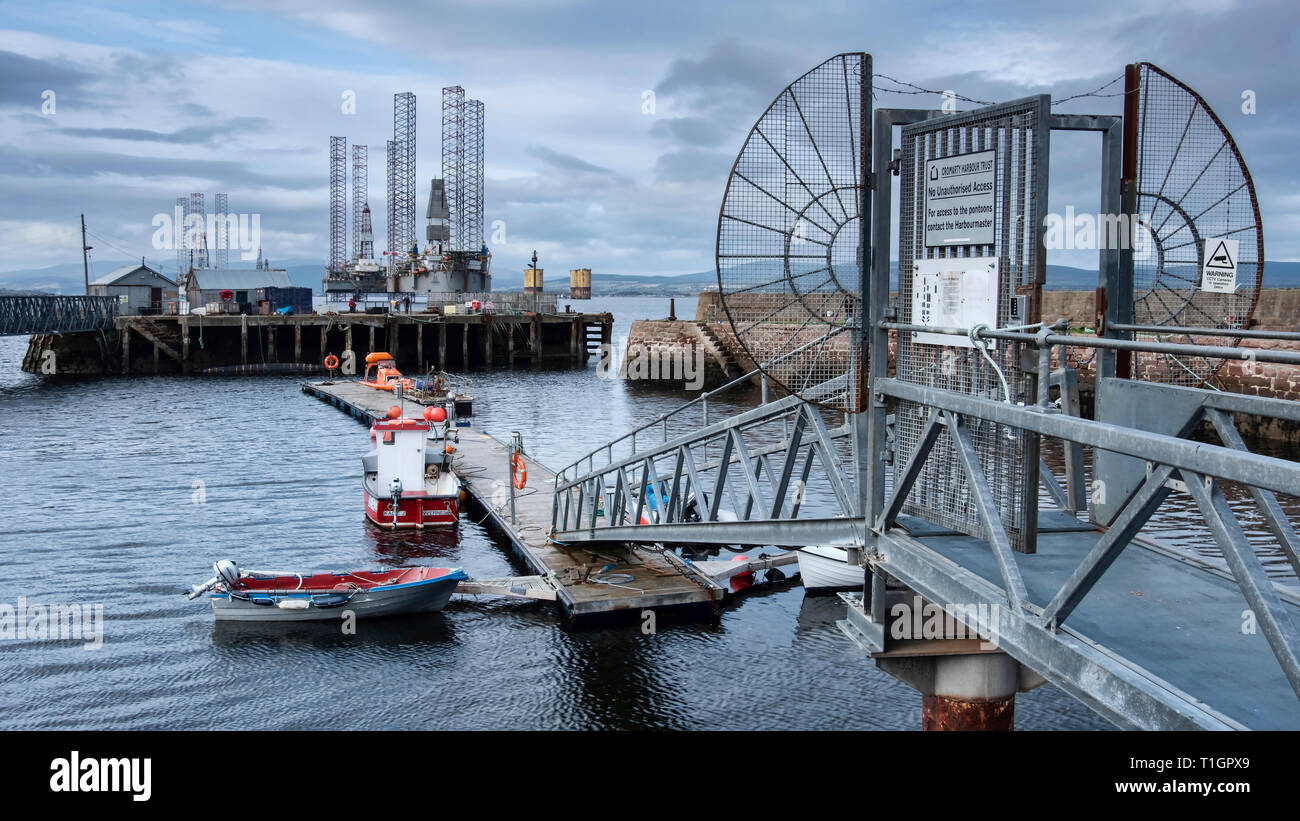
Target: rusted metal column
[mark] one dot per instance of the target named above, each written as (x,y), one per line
(972,692)
(243,339)
(126,349)
(487,341)
(464,346)
(270,344)
(419,347)
(442,344)
(185,344)
(297,341)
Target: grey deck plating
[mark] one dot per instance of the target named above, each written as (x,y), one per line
(1184,623)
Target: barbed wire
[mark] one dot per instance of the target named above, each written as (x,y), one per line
(920,90)
(916,90)
(1094,92)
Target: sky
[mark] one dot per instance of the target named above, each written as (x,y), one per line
(155,100)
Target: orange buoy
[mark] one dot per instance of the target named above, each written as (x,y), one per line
(449,449)
(331,361)
(395,412)
(518,471)
(435,414)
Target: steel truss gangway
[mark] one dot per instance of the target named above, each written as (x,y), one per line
(51,314)
(932,476)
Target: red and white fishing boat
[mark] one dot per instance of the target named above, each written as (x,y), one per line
(249,595)
(408,477)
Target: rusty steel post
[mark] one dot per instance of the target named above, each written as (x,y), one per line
(943,713)
(972,692)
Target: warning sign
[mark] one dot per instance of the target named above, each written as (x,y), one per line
(1219,270)
(959,199)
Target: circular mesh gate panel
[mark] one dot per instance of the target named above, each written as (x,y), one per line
(790,232)
(1193,186)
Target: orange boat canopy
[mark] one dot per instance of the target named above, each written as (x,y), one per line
(377,356)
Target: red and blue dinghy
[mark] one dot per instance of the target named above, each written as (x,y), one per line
(408,477)
(250,595)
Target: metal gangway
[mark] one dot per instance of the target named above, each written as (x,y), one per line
(51,314)
(930,473)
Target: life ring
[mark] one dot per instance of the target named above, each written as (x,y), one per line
(331,361)
(518,471)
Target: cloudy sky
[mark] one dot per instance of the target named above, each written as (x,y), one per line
(154,100)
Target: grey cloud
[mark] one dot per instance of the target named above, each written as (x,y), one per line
(689,130)
(186,136)
(26,77)
(87,165)
(695,165)
(567,162)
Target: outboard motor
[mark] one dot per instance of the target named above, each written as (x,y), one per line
(227,573)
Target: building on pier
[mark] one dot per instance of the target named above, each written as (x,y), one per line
(142,289)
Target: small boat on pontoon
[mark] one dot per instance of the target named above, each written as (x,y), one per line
(408,477)
(249,595)
(826,567)
(382,373)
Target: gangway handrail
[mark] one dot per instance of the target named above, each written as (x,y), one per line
(704,397)
(1136,345)
(1173,462)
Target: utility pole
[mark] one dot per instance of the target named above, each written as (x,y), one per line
(85,260)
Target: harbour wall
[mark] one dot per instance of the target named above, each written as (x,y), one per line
(1278,309)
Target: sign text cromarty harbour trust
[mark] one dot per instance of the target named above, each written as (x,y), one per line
(960,199)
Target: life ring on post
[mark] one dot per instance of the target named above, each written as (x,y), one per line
(331,361)
(518,471)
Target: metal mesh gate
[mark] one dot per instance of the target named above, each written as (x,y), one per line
(1193,188)
(790,230)
(1017,134)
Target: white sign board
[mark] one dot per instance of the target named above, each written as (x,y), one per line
(954,293)
(959,199)
(1219,270)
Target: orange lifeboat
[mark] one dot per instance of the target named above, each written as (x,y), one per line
(385,374)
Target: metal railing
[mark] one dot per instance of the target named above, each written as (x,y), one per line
(50,314)
(662,421)
(1171,461)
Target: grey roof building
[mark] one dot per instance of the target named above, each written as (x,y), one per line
(143,289)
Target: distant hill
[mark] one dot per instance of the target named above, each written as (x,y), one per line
(67,278)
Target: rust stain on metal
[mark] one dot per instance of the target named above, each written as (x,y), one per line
(940,713)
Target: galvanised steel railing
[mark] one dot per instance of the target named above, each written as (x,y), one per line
(752,492)
(50,314)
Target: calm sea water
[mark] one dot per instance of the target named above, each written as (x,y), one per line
(121,492)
